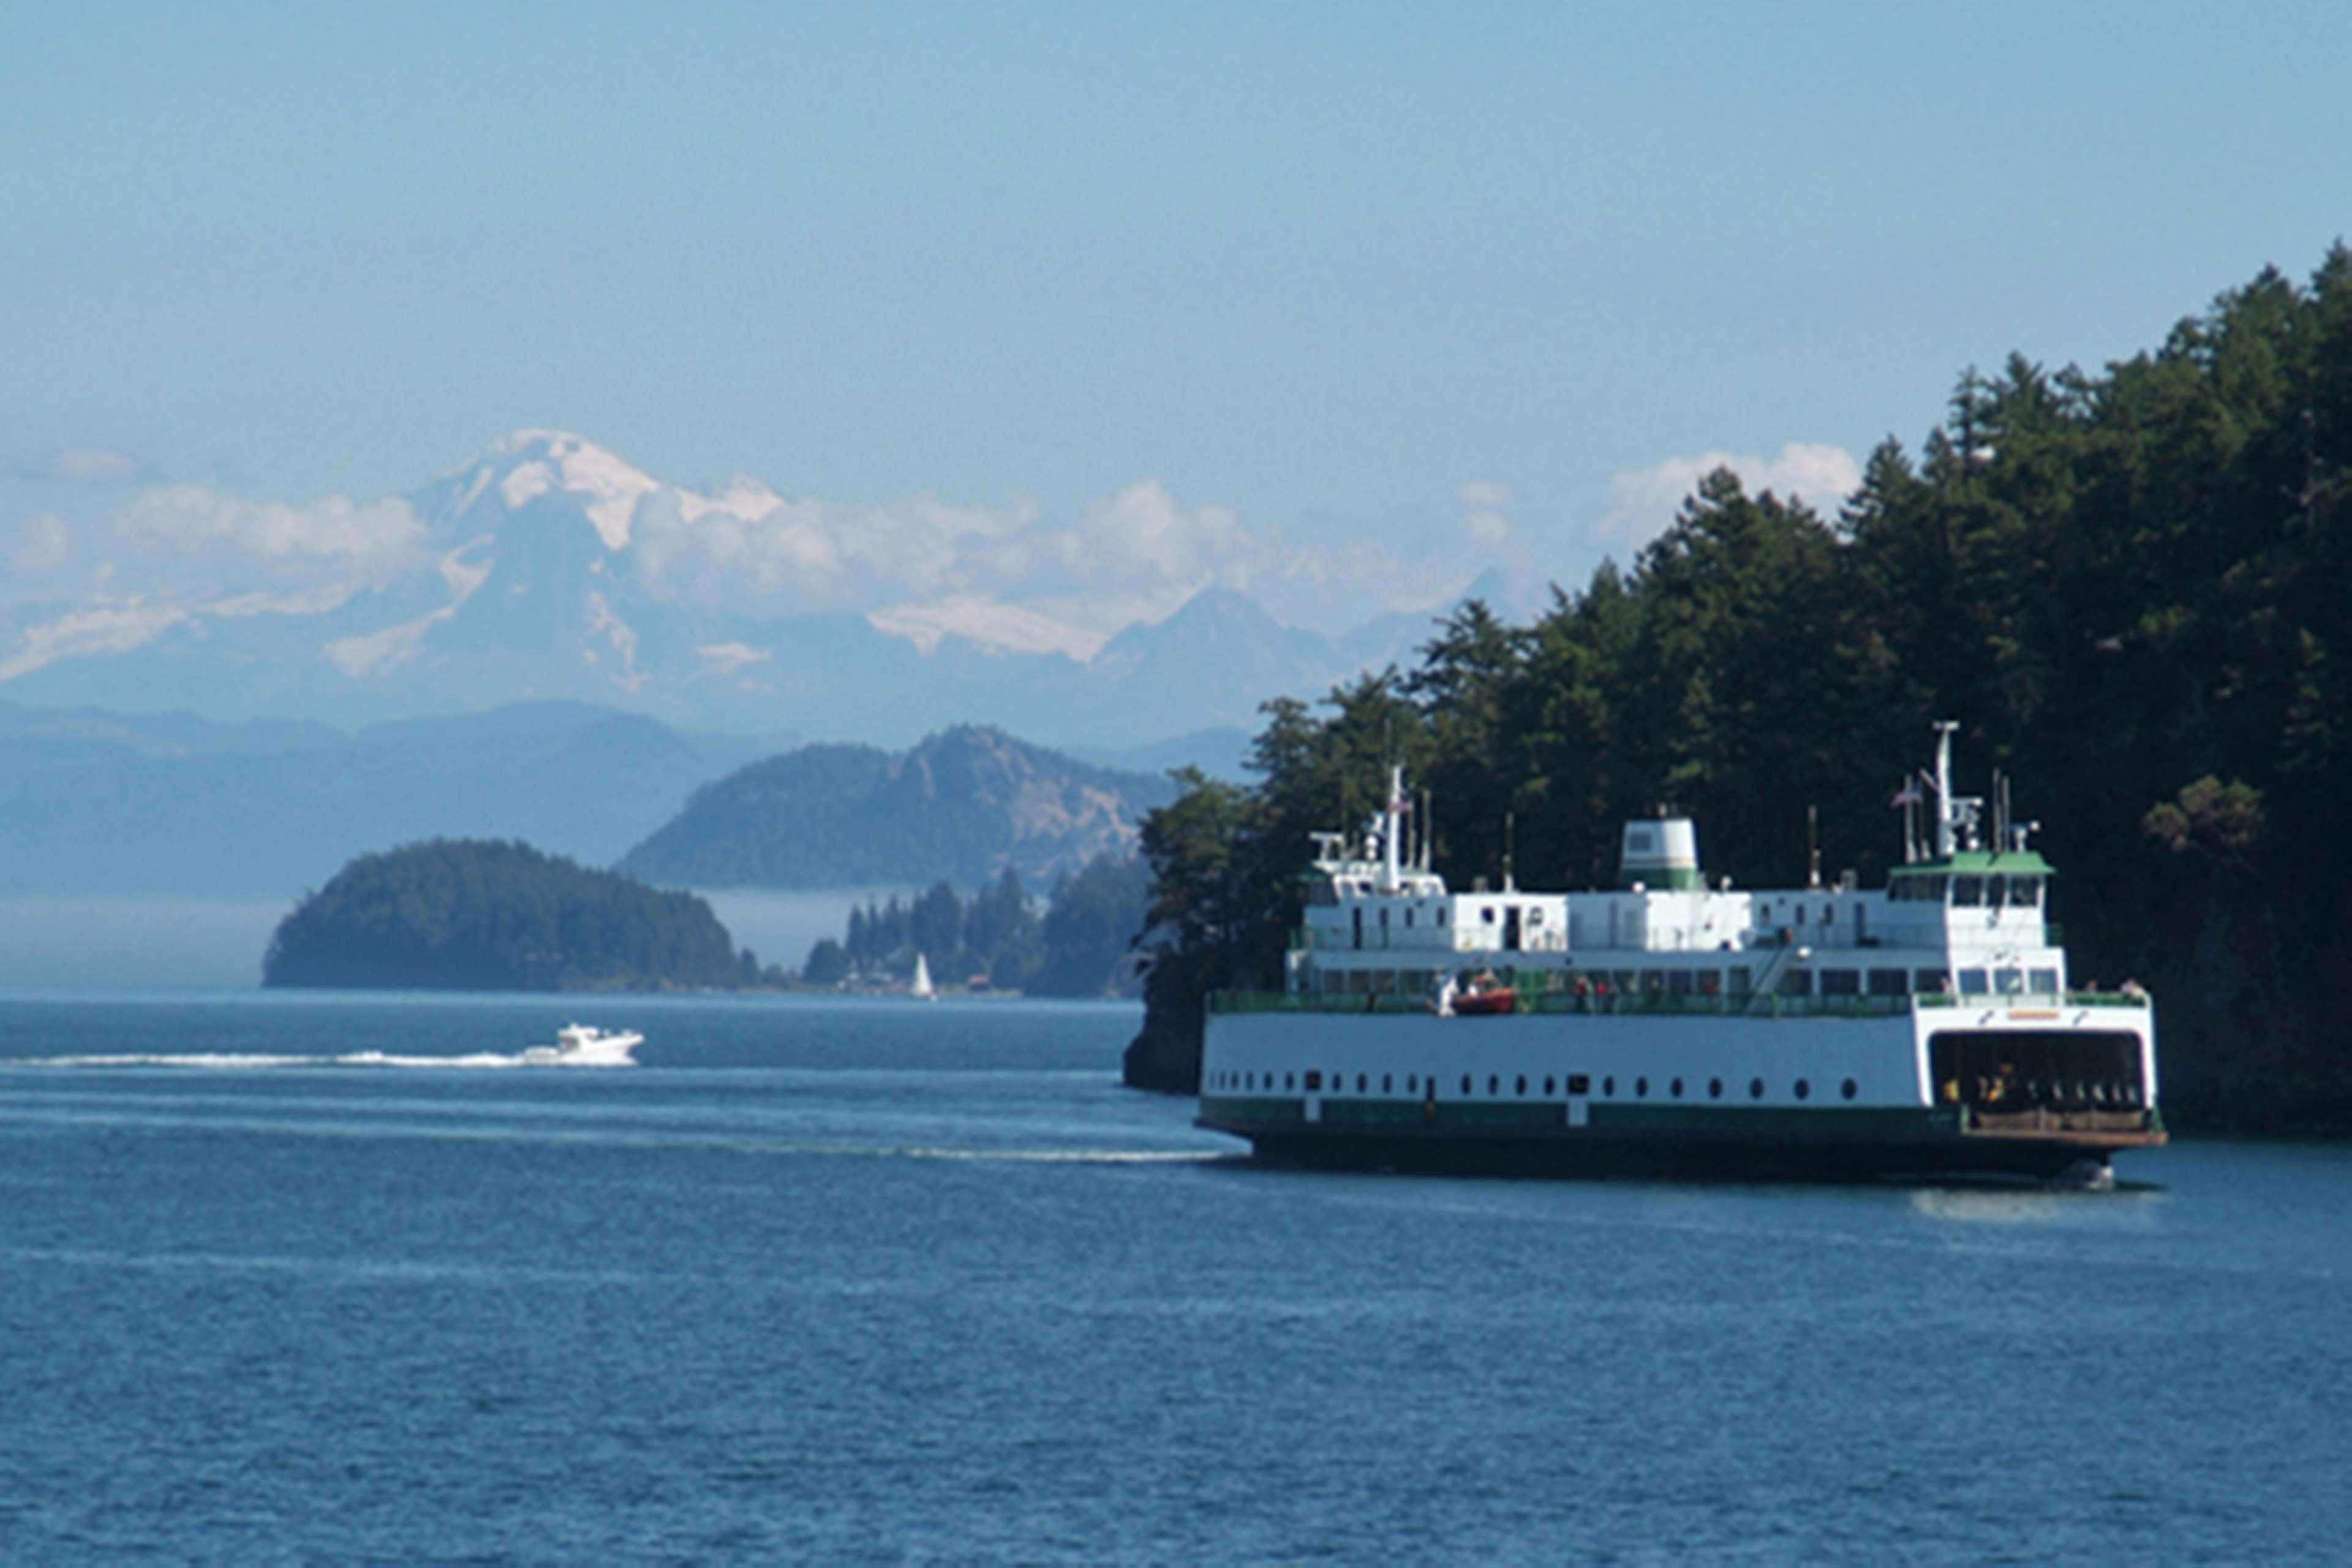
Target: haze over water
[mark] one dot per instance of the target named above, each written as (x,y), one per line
(847,1281)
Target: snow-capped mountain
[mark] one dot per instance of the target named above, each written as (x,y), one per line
(550,568)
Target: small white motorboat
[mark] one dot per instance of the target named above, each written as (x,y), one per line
(585,1045)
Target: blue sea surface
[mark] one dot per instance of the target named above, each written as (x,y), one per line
(866,1281)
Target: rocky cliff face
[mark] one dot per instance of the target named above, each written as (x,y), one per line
(963,804)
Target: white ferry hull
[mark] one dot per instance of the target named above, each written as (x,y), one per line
(1672,1094)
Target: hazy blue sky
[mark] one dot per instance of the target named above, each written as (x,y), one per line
(1483,280)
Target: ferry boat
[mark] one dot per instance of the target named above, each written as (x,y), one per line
(1923,1029)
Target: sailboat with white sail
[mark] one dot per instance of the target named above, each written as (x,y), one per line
(920,988)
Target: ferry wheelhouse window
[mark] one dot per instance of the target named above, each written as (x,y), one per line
(1973,982)
(2025,892)
(2044,981)
(1968,892)
(2008,982)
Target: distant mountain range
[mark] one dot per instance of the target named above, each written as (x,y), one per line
(95,803)
(541,577)
(961,805)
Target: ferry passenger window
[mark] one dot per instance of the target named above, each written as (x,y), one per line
(1739,979)
(2025,892)
(1678,983)
(1608,1086)
(1968,892)
(1388,1082)
(1797,983)
(1934,892)
(1714,1089)
(1654,981)
(1466,1083)
(1932,981)
(1521,1087)
(1487,913)
(2045,981)
(1535,917)
(1408,917)
(1804,1090)
(1840,982)
(1413,1084)
(1286,1080)
(1314,1082)
(1888,982)
(1547,1086)
(2008,982)
(1849,1089)
(1579,1084)
(1642,1088)
(1441,914)
(1755,1089)
(1972,982)
(1493,1084)
(1676,1088)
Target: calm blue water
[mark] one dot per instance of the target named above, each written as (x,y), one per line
(865,1282)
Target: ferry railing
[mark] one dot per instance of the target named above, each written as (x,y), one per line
(1692,1003)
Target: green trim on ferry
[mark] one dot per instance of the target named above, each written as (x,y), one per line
(1774,1123)
(1978,862)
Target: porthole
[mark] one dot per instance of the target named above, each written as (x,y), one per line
(1413,1084)
(1521,1087)
(1755,1089)
(1388,1082)
(1714,1089)
(1546,1088)
(1608,1086)
(1289,1081)
(1849,1089)
(1466,1083)
(1493,1084)
(1360,1083)
(1676,1088)
(1804,1090)
(1249,1081)
(1641,1089)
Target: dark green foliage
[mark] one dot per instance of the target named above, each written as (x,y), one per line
(1084,945)
(2128,587)
(1091,931)
(488,915)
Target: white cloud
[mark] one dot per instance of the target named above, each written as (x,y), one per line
(116,627)
(726,657)
(994,624)
(1643,501)
(1484,495)
(1142,534)
(381,652)
(89,466)
(333,526)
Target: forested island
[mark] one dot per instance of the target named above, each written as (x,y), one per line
(2134,589)
(1080,946)
(491,915)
